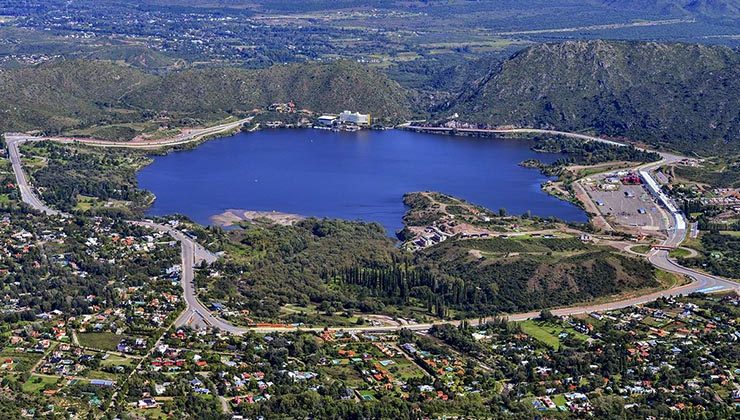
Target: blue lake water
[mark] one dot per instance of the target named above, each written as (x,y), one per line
(354,176)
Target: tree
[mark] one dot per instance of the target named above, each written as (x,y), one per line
(546,315)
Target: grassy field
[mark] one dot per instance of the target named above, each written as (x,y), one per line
(153,413)
(693,243)
(404,369)
(668,280)
(115,360)
(559,400)
(86,203)
(547,332)
(735,233)
(367,395)
(102,341)
(534,330)
(345,373)
(36,383)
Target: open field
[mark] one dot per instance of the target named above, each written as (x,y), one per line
(548,333)
(101,341)
(36,383)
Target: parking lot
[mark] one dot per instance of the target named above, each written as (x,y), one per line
(627,205)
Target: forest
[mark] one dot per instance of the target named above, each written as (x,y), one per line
(354,267)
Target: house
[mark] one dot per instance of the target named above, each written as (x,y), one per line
(148,403)
(102,383)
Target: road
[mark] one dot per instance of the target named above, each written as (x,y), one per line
(186,137)
(197,315)
(27,194)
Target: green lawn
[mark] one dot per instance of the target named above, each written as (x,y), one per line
(559,400)
(538,332)
(102,341)
(36,383)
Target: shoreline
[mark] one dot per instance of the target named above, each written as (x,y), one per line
(233,217)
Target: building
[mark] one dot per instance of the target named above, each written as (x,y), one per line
(354,118)
(656,191)
(327,120)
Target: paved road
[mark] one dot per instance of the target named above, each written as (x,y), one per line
(192,253)
(184,138)
(196,314)
(27,194)
(667,157)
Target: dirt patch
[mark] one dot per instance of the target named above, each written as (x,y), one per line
(233,216)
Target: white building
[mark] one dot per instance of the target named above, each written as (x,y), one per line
(354,118)
(327,120)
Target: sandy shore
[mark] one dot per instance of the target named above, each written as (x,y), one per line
(233,216)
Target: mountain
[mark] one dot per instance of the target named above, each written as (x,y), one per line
(319,87)
(55,95)
(681,96)
(726,9)
(76,93)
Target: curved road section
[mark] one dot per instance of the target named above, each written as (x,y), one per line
(197,315)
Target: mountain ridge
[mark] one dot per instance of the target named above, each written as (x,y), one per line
(672,95)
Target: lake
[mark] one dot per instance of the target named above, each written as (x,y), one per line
(355,176)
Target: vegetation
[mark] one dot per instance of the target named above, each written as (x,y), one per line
(72,174)
(586,153)
(64,94)
(672,96)
(348,266)
(719,172)
(720,254)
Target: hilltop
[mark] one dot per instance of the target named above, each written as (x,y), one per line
(677,95)
(67,94)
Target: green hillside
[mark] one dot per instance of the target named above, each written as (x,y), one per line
(319,87)
(63,94)
(678,95)
(74,93)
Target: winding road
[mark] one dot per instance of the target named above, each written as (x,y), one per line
(197,315)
